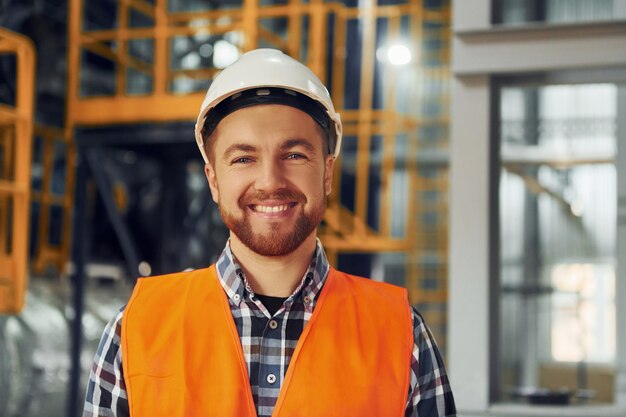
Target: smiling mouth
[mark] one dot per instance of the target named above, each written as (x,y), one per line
(271,209)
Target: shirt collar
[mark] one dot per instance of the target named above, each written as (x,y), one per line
(236,285)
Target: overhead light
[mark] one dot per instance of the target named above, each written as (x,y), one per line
(190,61)
(399,54)
(224,54)
(396,54)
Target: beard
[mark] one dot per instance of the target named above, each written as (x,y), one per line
(274,242)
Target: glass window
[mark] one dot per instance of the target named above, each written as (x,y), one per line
(557,11)
(557,224)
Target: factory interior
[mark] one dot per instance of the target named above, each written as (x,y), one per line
(483,168)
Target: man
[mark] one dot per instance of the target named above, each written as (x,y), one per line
(271,329)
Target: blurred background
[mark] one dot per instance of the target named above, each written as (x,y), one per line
(483,168)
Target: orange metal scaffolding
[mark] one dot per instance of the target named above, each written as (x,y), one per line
(16,123)
(426,78)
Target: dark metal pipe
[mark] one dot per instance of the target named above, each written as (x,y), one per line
(80,239)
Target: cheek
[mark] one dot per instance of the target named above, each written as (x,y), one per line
(231,186)
(314,186)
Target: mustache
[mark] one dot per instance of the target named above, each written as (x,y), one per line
(256,197)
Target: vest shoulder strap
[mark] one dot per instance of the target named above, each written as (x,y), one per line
(354,355)
(181,353)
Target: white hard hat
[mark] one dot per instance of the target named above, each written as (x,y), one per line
(269,72)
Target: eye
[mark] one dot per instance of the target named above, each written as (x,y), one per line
(295,156)
(241,160)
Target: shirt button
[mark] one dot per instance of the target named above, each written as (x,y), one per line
(236,297)
(307,299)
(271,378)
(273,324)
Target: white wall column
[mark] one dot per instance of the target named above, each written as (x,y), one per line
(469,243)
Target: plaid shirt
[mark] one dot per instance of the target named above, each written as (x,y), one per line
(429,393)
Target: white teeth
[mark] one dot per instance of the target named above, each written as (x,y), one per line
(271,209)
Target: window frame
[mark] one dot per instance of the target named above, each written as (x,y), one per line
(485,56)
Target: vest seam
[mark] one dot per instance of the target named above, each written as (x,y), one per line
(296,355)
(235,338)
(123,342)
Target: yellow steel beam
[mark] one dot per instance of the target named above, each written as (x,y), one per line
(7,113)
(197,74)
(102,110)
(286,10)
(212,29)
(294,29)
(74,21)
(7,152)
(4,229)
(186,17)
(250,24)
(371,244)
(6,45)
(161,49)
(10,187)
(316,51)
(108,35)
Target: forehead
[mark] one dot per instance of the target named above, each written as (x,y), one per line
(265,126)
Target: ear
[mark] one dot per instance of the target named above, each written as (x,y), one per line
(328,174)
(209,172)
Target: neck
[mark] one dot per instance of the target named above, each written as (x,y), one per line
(276,276)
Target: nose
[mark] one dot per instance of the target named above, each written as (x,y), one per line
(271,177)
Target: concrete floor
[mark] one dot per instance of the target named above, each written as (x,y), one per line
(35,345)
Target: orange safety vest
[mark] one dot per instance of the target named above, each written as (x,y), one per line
(182,356)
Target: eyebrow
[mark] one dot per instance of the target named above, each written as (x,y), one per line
(241,147)
(288,144)
(292,143)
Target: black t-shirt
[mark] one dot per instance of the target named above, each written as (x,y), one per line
(271,303)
